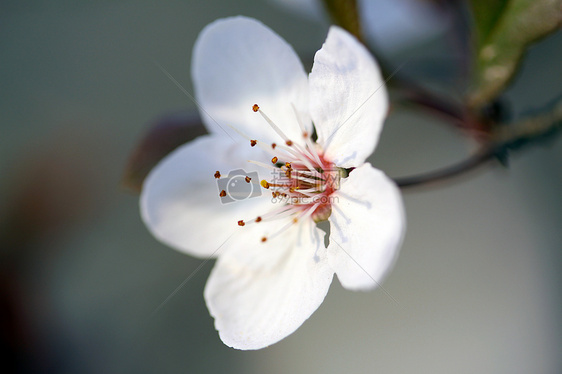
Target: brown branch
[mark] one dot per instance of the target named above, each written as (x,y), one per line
(439,175)
(507,137)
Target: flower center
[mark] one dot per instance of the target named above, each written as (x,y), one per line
(304,186)
(302,180)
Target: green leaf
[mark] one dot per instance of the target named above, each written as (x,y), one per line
(165,135)
(344,13)
(504,30)
(486,15)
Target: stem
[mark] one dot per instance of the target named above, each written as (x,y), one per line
(507,137)
(462,167)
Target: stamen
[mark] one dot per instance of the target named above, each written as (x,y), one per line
(258,219)
(264,165)
(256,108)
(264,239)
(222,193)
(278,213)
(274,160)
(247,179)
(253,142)
(241,222)
(289,142)
(310,149)
(301,125)
(263,183)
(304,214)
(217,174)
(298,155)
(273,145)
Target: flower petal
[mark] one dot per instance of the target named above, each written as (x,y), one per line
(367,225)
(348,99)
(180,201)
(239,62)
(259,293)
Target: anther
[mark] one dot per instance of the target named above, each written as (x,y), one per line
(273,145)
(289,142)
(255,107)
(247,179)
(288,165)
(258,219)
(264,184)
(274,160)
(217,174)
(305,134)
(295,220)
(241,222)
(264,239)
(253,143)
(223,193)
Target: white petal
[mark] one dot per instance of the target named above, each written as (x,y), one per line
(348,99)
(259,293)
(239,62)
(366,228)
(180,201)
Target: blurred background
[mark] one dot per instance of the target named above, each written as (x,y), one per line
(477,282)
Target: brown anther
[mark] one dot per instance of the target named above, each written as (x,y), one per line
(288,165)
(258,219)
(305,134)
(223,193)
(253,143)
(247,179)
(289,142)
(241,223)
(255,107)
(295,220)
(264,184)
(274,160)
(264,239)
(273,145)
(217,174)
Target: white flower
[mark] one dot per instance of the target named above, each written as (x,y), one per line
(273,268)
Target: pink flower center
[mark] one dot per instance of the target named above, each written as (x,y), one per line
(302,181)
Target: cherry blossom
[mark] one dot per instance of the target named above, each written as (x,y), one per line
(285,151)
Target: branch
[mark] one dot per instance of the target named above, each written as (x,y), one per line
(505,138)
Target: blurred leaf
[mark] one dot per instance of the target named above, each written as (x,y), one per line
(165,135)
(486,14)
(504,29)
(344,13)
